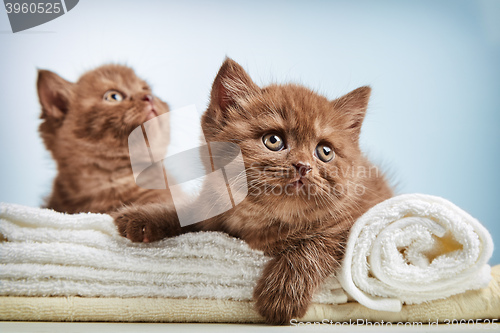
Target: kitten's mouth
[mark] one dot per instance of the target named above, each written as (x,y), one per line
(297,183)
(151,114)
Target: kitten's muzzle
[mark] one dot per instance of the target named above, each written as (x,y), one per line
(300,179)
(150,109)
(303,168)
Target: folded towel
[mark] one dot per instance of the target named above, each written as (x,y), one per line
(473,306)
(46,253)
(414,248)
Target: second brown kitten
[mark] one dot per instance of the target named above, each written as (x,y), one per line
(85,125)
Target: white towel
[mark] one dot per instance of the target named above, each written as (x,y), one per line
(45,253)
(414,248)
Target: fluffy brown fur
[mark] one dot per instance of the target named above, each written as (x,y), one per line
(86,129)
(299,208)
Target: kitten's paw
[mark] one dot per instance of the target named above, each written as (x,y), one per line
(132,226)
(282,293)
(145,224)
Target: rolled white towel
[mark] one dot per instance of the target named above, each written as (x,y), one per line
(414,248)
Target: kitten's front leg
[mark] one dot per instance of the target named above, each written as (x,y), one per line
(289,280)
(147,223)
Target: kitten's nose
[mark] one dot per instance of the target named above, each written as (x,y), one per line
(303,168)
(148,98)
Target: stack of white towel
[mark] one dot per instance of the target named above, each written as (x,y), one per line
(408,249)
(53,254)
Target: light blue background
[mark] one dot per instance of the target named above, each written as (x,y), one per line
(434,67)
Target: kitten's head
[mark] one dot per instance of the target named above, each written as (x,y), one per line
(297,146)
(98,112)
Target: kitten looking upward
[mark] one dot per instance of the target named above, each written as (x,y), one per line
(85,125)
(308,181)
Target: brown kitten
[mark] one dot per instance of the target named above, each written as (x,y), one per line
(86,126)
(308,182)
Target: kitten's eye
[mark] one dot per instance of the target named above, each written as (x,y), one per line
(273,141)
(113,96)
(324,153)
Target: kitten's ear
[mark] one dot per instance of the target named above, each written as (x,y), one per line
(54,94)
(230,85)
(353,108)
